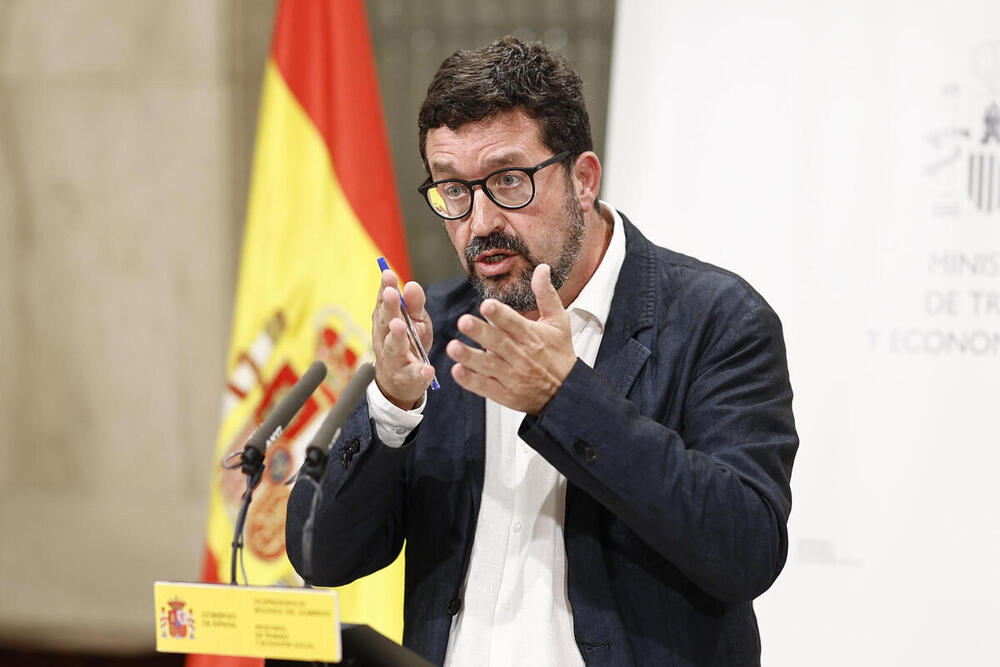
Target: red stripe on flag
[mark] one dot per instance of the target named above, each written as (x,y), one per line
(209,567)
(323,51)
(202,660)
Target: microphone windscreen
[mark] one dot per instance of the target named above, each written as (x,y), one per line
(342,409)
(288,406)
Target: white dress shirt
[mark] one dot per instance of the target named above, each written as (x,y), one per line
(515,602)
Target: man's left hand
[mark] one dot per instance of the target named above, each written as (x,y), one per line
(523,362)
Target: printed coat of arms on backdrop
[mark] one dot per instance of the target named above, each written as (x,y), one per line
(965,150)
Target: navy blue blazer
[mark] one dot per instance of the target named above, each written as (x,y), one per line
(677,446)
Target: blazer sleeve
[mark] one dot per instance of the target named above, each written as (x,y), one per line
(711,495)
(359,521)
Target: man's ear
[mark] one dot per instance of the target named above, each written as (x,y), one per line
(587,179)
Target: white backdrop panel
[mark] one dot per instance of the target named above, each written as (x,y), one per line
(844,157)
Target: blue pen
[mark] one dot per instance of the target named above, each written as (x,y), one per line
(410,329)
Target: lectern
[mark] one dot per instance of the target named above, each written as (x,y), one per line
(365,647)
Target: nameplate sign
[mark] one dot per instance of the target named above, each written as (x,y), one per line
(250,621)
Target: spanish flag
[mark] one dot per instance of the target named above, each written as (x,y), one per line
(322,207)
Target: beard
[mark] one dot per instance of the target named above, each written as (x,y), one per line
(517,293)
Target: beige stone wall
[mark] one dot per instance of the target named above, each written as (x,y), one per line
(126,129)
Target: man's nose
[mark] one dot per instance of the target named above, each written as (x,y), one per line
(485,216)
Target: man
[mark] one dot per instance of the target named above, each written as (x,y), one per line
(603,477)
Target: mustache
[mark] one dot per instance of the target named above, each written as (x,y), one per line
(496,240)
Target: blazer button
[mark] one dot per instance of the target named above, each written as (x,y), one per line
(588,452)
(454,606)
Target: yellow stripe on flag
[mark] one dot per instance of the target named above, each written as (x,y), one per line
(300,226)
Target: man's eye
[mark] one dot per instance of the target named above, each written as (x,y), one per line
(454,191)
(510,179)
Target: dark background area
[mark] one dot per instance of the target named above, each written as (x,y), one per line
(411,38)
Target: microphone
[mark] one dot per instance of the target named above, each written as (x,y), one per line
(319,449)
(277,420)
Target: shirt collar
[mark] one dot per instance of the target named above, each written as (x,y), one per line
(595,297)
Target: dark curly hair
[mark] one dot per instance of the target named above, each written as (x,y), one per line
(509,75)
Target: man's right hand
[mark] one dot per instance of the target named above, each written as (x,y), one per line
(400,373)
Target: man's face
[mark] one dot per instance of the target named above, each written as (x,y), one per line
(498,247)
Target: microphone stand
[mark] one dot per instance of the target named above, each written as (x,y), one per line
(312,471)
(318,453)
(251,460)
(252,464)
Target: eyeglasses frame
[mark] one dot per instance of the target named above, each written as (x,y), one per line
(481,182)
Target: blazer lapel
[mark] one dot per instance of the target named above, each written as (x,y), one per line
(623,351)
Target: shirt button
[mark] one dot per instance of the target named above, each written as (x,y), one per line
(517,527)
(506,607)
(400,431)
(454,606)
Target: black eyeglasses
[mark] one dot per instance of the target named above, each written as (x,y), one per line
(510,188)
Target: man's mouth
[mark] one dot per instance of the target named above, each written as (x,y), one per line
(493,263)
